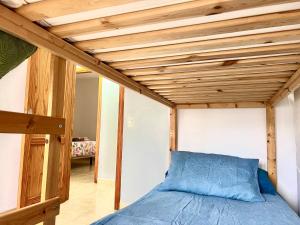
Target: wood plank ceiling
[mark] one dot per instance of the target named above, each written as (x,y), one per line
(188,51)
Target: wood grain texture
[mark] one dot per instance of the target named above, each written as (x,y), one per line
(173,129)
(202,46)
(222,105)
(19,26)
(196,32)
(48,9)
(227,55)
(119,149)
(98,129)
(39,75)
(11,122)
(33,214)
(55,146)
(157,15)
(292,84)
(271,143)
(68,114)
(242,63)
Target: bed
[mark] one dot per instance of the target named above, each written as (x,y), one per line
(239,204)
(181,208)
(83,149)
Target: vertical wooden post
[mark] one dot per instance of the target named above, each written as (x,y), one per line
(173,129)
(98,129)
(68,114)
(271,143)
(55,147)
(119,149)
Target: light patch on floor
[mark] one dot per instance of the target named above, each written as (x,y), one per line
(88,201)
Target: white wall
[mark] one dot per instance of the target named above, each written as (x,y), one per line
(297,135)
(86,104)
(145,146)
(12,96)
(237,132)
(109,130)
(286,151)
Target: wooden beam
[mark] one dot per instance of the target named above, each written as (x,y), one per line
(220,78)
(254,52)
(248,61)
(220,88)
(271,143)
(12,122)
(292,84)
(220,83)
(33,214)
(173,129)
(222,105)
(221,72)
(141,18)
(242,63)
(55,145)
(49,9)
(223,100)
(119,149)
(19,26)
(98,129)
(202,46)
(196,32)
(234,91)
(68,114)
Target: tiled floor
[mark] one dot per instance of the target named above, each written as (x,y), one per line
(88,202)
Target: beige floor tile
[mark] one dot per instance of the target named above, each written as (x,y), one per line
(88,201)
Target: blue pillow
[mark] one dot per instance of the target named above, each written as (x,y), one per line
(212,174)
(265,183)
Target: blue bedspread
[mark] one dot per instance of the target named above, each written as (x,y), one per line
(179,208)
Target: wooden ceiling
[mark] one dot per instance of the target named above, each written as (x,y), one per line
(187,51)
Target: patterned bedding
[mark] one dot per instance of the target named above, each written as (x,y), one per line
(83,149)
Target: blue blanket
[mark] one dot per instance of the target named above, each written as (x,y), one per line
(180,208)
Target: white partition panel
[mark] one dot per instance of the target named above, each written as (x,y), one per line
(237,132)
(145,145)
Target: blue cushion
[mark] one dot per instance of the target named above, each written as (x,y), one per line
(265,183)
(212,174)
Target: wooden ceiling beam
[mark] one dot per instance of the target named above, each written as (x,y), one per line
(220,72)
(272,59)
(220,88)
(290,59)
(234,91)
(19,26)
(55,8)
(220,83)
(255,52)
(292,84)
(222,105)
(203,46)
(211,100)
(220,78)
(169,13)
(198,32)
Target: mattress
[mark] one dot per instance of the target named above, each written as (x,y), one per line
(83,149)
(180,208)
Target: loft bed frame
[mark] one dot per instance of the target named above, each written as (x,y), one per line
(166,51)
